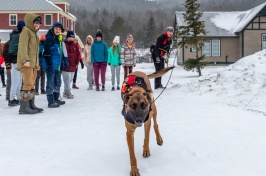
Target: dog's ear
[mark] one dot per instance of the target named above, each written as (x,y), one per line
(126,97)
(147,94)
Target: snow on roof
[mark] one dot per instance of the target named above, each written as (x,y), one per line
(224,23)
(249,16)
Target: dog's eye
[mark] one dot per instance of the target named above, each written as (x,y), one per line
(134,106)
(143,105)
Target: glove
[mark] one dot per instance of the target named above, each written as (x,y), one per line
(82,65)
(119,64)
(158,60)
(163,58)
(109,64)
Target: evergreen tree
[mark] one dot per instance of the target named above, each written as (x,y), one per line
(119,28)
(193,35)
(150,32)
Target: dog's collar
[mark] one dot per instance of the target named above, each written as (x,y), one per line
(132,81)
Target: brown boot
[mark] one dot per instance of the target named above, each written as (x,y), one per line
(74,86)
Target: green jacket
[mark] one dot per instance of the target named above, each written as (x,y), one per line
(114,56)
(28,47)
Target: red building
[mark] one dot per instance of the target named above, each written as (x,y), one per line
(12,11)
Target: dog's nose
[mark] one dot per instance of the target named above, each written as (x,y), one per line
(139,122)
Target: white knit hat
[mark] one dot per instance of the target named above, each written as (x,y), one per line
(116,39)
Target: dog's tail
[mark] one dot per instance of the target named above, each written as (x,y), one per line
(160,73)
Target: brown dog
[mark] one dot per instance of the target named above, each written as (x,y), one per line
(139,107)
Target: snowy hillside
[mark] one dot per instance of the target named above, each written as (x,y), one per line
(205,128)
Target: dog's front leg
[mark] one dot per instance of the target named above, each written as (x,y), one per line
(146,148)
(130,142)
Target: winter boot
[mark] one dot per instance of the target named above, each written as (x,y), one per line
(32,103)
(43,91)
(103,88)
(51,102)
(74,86)
(56,99)
(97,89)
(68,95)
(118,88)
(113,88)
(25,97)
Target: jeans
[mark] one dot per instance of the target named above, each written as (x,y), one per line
(40,75)
(53,84)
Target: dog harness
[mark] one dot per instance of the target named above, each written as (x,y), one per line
(129,83)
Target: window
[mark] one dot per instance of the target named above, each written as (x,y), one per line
(71,25)
(263,41)
(62,20)
(67,23)
(12,19)
(67,9)
(207,48)
(48,19)
(212,48)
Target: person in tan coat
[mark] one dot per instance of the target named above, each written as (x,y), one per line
(28,63)
(87,61)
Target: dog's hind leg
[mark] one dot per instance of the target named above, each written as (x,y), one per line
(156,127)
(147,127)
(130,142)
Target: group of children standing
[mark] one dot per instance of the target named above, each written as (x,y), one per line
(51,56)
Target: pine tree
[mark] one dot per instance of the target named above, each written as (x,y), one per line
(193,35)
(150,32)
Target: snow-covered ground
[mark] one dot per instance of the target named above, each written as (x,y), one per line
(211,126)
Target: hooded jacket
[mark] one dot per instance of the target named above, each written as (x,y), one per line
(99,52)
(73,53)
(28,48)
(87,51)
(53,51)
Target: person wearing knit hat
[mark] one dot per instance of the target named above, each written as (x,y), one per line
(99,58)
(55,59)
(73,53)
(128,55)
(16,77)
(99,34)
(114,62)
(41,72)
(161,53)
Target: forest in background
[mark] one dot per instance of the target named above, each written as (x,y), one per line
(144,19)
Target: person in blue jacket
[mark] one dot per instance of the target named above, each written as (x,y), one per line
(54,60)
(99,58)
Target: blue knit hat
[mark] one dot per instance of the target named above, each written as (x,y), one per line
(70,34)
(20,25)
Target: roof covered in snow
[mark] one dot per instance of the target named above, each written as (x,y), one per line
(32,5)
(224,23)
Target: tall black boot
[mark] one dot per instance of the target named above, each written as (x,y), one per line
(32,103)
(24,108)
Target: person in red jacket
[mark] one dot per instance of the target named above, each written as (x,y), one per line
(74,86)
(73,53)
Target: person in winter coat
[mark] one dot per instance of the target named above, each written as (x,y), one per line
(74,86)
(73,53)
(114,61)
(99,58)
(54,61)
(28,63)
(161,49)
(41,71)
(128,55)
(8,69)
(87,61)
(16,77)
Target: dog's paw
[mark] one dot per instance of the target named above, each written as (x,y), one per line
(160,142)
(146,153)
(134,171)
